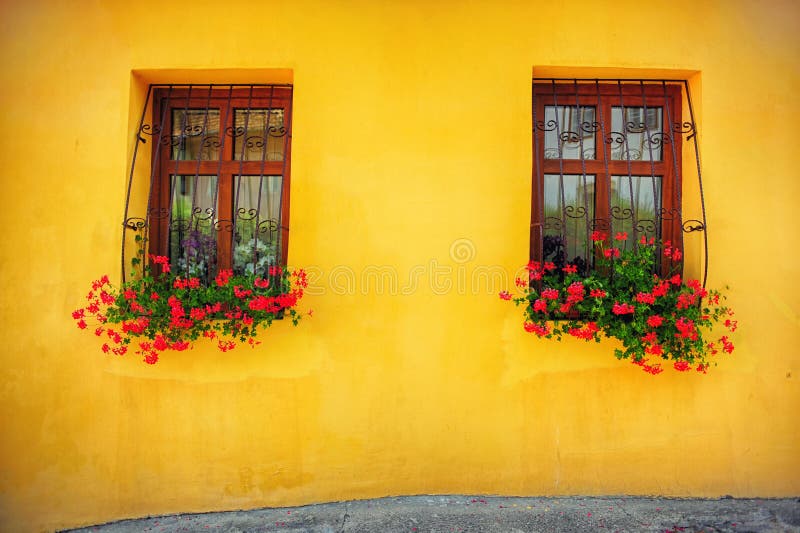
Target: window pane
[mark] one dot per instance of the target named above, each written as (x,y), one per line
(568,217)
(192,237)
(252,131)
(258,223)
(569,132)
(635,138)
(636,206)
(195,134)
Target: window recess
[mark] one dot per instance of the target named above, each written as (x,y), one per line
(613,156)
(210,178)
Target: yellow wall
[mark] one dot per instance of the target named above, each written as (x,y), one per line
(412,131)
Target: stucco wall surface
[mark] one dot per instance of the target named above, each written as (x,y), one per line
(411,153)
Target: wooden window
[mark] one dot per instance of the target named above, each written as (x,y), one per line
(607,157)
(220,181)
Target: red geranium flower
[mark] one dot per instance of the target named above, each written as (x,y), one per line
(598,236)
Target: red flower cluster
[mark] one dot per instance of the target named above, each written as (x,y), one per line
(587,332)
(673,253)
(645,298)
(622,309)
(681,366)
(550,294)
(223,276)
(686,329)
(240,292)
(575,292)
(540,330)
(656,318)
(163,311)
(598,236)
(161,260)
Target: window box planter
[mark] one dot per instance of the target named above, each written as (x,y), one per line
(658,318)
(159,310)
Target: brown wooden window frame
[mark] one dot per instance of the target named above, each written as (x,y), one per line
(224,100)
(603,96)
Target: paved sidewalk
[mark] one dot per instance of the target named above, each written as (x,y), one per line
(461,514)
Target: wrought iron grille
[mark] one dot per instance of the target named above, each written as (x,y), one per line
(210,178)
(616,156)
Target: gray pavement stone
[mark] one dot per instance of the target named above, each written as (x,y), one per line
(466,514)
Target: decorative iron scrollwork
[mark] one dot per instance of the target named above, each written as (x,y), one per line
(235,131)
(135,223)
(621,213)
(277,131)
(246,214)
(589,127)
(554,223)
(254,142)
(670,215)
(646,226)
(149,130)
(211,141)
(269,226)
(158,213)
(693,225)
(550,125)
(569,136)
(225,225)
(573,211)
(192,130)
(687,128)
(180,225)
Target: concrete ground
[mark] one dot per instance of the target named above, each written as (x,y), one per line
(461,514)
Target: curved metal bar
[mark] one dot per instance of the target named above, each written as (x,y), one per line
(125,218)
(693,136)
(587,246)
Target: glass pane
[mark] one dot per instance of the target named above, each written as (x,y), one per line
(192,237)
(258,223)
(636,206)
(569,132)
(195,134)
(635,138)
(252,131)
(569,213)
